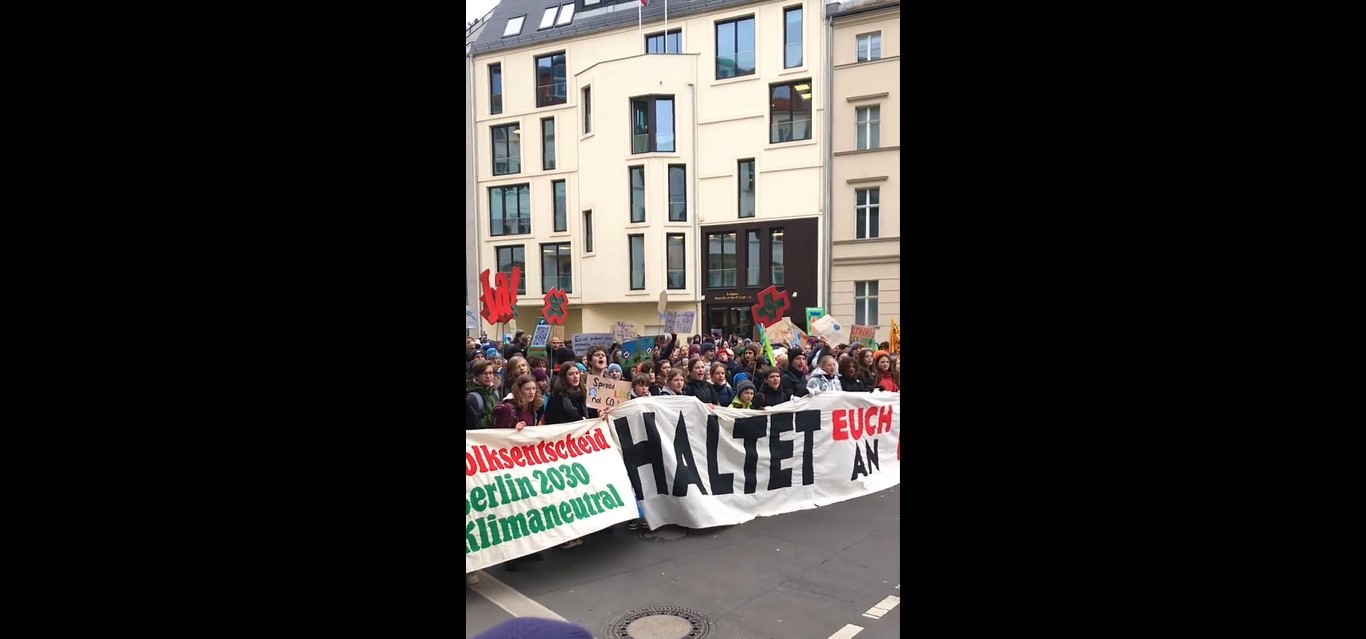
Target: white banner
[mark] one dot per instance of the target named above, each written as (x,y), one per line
(700,467)
(540,487)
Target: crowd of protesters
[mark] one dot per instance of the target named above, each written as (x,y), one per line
(505,387)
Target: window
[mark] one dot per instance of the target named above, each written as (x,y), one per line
(792,37)
(507,149)
(555,267)
(637,242)
(495,89)
(868,128)
(514,26)
(677,258)
(735,48)
(652,124)
(865,303)
(550,79)
(637,193)
(588,231)
(672,42)
(510,256)
(548,144)
(510,210)
(865,213)
(752,264)
(587,110)
(775,255)
(557,191)
(870,46)
(566,15)
(746,185)
(678,193)
(721,260)
(548,18)
(789,110)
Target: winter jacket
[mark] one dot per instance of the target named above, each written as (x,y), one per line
(794,382)
(768,396)
(507,415)
(480,401)
(740,403)
(724,393)
(886,382)
(822,382)
(701,390)
(853,384)
(563,409)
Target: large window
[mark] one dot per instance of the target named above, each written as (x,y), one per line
(510,256)
(746,188)
(555,267)
(652,124)
(561,199)
(735,48)
(587,110)
(548,144)
(868,127)
(792,37)
(775,255)
(588,231)
(866,212)
(637,243)
(507,149)
(721,260)
(637,174)
(495,89)
(865,303)
(870,46)
(789,110)
(510,210)
(662,43)
(674,245)
(678,193)
(550,79)
(752,265)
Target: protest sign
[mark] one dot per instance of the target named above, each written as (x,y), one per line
(623,331)
(585,341)
(866,335)
(700,467)
(638,350)
(831,329)
(813,314)
(605,392)
(557,330)
(542,336)
(784,332)
(536,488)
(679,321)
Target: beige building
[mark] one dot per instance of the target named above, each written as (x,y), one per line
(621,160)
(865,163)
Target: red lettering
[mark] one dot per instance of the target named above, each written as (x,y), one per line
(471,466)
(562,450)
(841,421)
(856,424)
(885,418)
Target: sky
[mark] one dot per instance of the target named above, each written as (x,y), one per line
(476,9)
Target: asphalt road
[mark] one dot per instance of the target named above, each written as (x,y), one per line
(812,574)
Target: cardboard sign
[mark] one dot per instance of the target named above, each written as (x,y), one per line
(784,332)
(679,321)
(831,329)
(866,335)
(605,392)
(621,331)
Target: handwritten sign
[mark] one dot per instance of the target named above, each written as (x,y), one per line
(864,334)
(813,314)
(623,331)
(679,321)
(605,392)
(585,341)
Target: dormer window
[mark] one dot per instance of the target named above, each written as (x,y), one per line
(514,26)
(557,16)
(566,14)
(548,18)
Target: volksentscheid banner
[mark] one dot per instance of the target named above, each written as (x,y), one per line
(540,487)
(701,467)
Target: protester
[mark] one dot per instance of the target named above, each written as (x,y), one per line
(567,397)
(515,367)
(674,383)
(863,367)
(520,409)
(849,379)
(640,387)
(722,388)
(794,377)
(542,382)
(698,386)
(614,370)
(771,393)
(823,379)
(481,398)
(596,360)
(886,379)
(744,395)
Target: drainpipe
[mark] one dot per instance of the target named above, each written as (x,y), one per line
(827,180)
(697,214)
(472,183)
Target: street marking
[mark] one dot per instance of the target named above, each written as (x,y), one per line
(883,607)
(515,603)
(847,632)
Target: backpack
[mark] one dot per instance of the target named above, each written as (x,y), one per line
(485,412)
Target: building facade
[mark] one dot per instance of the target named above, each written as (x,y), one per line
(623,158)
(865,174)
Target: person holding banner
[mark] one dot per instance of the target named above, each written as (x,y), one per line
(520,410)
(772,392)
(850,382)
(886,379)
(823,378)
(699,386)
(794,376)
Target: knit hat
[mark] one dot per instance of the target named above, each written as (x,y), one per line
(533,628)
(581,367)
(708,346)
(877,354)
(779,352)
(539,375)
(694,349)
(740,377)
(491,353)
(614,367)
(744,383)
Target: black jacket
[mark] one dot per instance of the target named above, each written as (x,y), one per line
(766,397)
(563,409)
(702,390)
(854,384)
(794,383)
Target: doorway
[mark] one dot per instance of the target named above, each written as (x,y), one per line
(730,319)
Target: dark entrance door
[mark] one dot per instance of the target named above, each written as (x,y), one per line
(730,319)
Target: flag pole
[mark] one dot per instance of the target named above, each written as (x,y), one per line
(640,24)
(666,27)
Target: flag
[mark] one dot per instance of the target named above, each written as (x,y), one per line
(643,3)
(768,348)
(895,340)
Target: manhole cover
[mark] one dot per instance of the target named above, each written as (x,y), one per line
(666,533)
(658,622)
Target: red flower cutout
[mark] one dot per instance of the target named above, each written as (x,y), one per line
(556,308)
(772,305)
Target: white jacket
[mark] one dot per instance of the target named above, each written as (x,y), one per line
(820,381)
